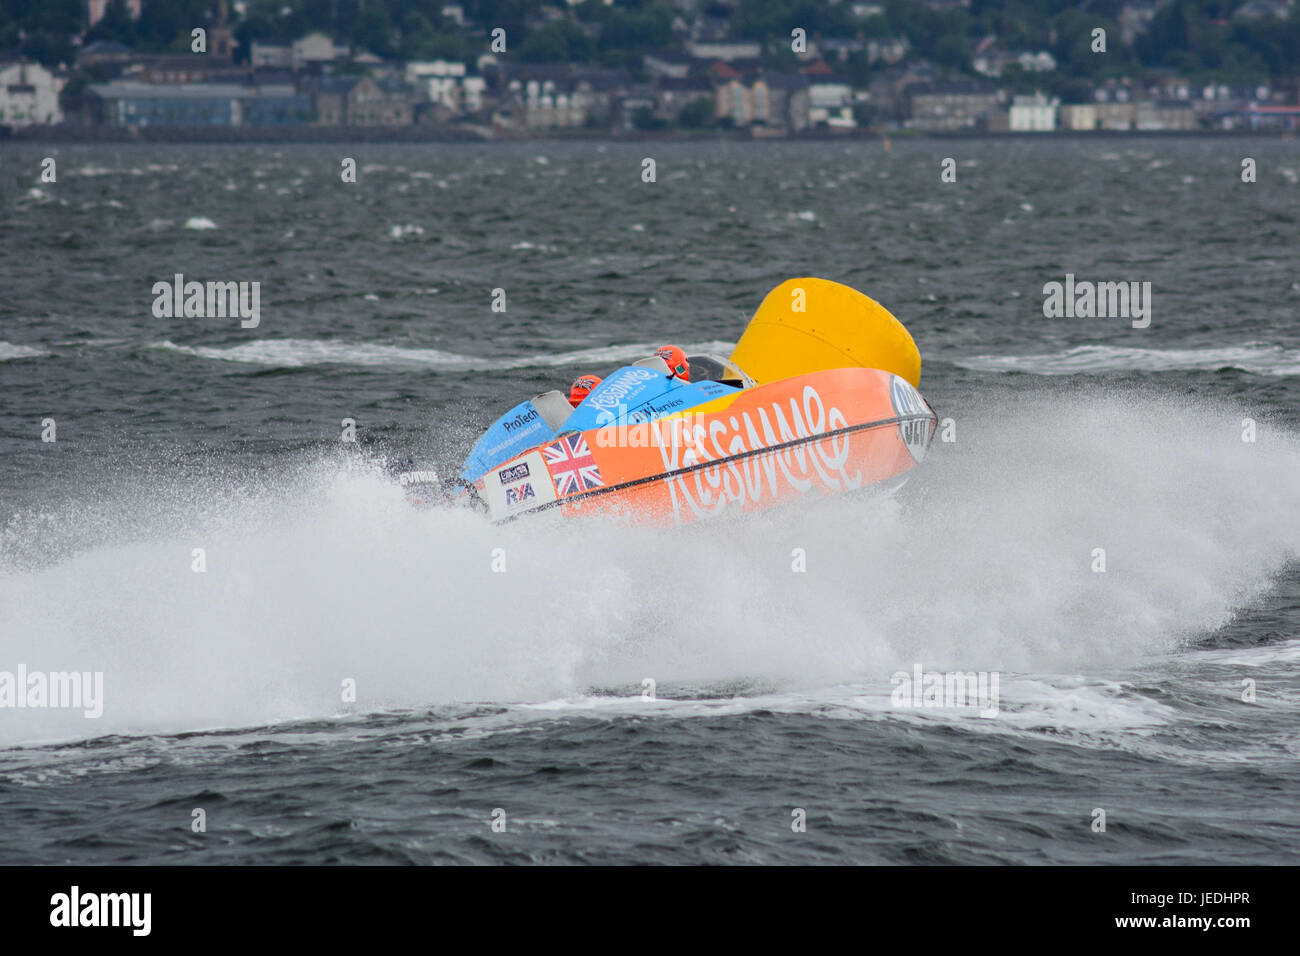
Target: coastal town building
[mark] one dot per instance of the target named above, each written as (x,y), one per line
(830,102)
(951,107)
(595,91)
(276,55)
(1035,113)
(105,54)
(1165,115)
(363,101)
(29,94)
(547,105)
(447,83)
(316,49)
(176,68)
(1116,116)
(792,109)
(675,95)
(129,103)
(1078,116)
(779,101)
(708,70)
(635,107)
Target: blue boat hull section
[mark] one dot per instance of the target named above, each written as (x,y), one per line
(516,431)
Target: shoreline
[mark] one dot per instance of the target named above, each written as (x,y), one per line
(75,135)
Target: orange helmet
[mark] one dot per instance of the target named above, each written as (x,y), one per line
(581,388)
(675,359)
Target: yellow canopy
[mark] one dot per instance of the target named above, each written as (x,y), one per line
(810,325)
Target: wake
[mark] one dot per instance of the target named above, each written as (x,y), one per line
(322,575)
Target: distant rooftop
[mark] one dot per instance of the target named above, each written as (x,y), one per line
(105,46)
(131,90)
(786,81)
(336,84)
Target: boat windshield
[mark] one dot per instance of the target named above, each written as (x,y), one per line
(715,368)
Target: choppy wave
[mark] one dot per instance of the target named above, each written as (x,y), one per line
(1084,359)
(11,351)
(295,353)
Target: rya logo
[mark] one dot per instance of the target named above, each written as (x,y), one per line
(517,496)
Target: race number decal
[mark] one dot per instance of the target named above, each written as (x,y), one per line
(915,432)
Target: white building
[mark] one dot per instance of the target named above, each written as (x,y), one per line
(446,82)
(1033,114)
(830,103)
(276,55)
(472,90)
(29,95)
(1042,62)
(317,48)
(546,106)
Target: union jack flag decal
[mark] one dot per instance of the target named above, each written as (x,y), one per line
(572,465)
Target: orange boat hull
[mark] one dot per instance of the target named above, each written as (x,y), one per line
(826,432)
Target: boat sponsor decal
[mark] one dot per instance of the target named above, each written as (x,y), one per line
(572,465)
(915,432)
(519,486)
(632,429)
(519,429)
(520,420)
(688,442)
(636,394)
(421,488)
(417,478)
(520,495)
(615,389)
(652,410)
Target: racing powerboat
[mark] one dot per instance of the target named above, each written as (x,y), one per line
(819,396)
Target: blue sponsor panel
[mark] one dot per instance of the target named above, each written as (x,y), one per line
(640,394)
(516,431)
